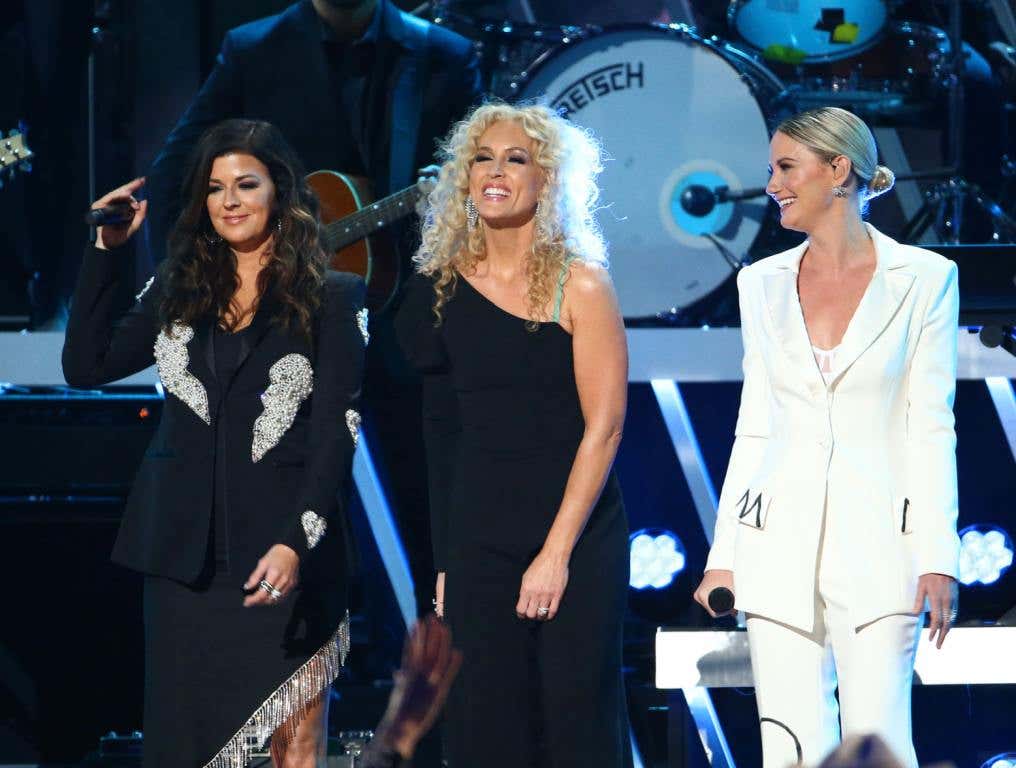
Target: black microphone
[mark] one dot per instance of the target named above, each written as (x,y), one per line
(699,200)
(993,336)
(724,195)
(118,213)
(720,600)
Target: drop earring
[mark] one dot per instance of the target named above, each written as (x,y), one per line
(839,191)
(212,238)
(472,215)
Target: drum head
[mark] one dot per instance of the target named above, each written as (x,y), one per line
(809,31)
(671,112)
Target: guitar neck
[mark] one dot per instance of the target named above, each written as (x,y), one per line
(369,219)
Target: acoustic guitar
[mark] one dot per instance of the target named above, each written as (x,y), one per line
(351,229)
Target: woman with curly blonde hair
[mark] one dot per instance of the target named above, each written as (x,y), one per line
(514,324)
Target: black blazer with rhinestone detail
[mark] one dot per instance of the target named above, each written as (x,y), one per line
(290,415)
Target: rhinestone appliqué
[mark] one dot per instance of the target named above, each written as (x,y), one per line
(361,321)
(145,289)
(353,423)
(172,359)
(291,380)
(313,527)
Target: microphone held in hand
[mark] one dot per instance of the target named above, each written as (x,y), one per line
(117,213)
(721,600)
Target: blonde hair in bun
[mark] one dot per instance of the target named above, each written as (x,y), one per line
(881,182)
(830,132)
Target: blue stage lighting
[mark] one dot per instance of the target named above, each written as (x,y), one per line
(1005,760)
(986,552)
(657,556)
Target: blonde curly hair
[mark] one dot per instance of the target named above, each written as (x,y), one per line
(565,227)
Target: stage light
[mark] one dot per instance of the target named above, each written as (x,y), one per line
(986,552)
(1005,760)
(657,556)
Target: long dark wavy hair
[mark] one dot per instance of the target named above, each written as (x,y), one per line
(199,275)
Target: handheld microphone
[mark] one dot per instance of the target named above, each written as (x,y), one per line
(721,600)
(999,336)
(118,213)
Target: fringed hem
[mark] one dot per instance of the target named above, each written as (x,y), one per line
(288,703)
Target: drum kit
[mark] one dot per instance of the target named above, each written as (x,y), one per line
(685,122)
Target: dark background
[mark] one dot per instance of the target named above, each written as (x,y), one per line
(71,667)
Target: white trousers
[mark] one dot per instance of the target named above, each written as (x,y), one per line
(796,673)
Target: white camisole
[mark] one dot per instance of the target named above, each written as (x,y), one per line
(826,359)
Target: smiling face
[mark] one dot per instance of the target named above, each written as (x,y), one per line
(801,182)
(504,178)
(241,197)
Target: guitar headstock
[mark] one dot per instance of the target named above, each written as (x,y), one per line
(15,154)
(426,179)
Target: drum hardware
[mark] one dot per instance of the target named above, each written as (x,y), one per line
(944,206)
(808,31)
(698,200)
(674,111)
(506,47)
(944,210)
(897,79)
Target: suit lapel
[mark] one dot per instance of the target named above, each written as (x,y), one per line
(202,350)
(254,335)
(202,346)
(881,301)
(889,286)
(780,287)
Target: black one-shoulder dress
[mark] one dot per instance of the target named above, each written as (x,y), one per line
(502,420)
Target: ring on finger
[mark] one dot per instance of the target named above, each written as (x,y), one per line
(267,586)
(542,611)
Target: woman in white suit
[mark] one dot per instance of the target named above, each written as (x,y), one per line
(837,520)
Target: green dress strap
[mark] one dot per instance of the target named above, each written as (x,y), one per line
(559,293)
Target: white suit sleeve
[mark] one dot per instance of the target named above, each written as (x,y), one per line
(749,436)
(931,438)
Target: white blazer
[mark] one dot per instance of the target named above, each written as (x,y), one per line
(877,444)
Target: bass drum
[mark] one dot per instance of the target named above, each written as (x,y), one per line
(672,111)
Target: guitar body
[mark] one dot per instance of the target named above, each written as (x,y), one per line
(374,258)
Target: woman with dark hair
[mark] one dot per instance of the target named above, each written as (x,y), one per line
(235,517)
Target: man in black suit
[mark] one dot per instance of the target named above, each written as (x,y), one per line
(356,86)
(361,87)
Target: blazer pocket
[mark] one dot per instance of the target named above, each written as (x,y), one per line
(753,508)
